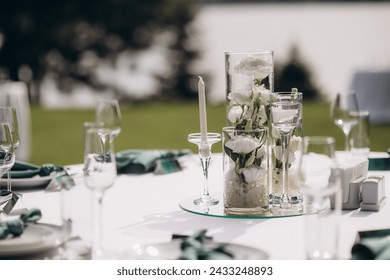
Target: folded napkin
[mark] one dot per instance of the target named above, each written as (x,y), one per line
(372,245)
(142,161)
(193,248)
(16,227)
(22,170)
(379,164)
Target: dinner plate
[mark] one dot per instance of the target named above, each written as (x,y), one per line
(27,183)
(171,251)
(36,238)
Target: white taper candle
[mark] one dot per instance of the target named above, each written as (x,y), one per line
(202,109)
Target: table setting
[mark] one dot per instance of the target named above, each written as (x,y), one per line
(272,193)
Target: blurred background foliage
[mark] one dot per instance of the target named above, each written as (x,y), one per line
(77,42)
(86,43)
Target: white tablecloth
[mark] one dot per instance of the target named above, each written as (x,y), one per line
(144,209)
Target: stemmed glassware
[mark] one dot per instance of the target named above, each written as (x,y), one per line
(204,148)
(322,196)
(109,116)
(99,175)
(7,159)
(344,115)
(9,142)
(285,116)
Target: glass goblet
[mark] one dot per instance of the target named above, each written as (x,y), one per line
(8,115)
(109,115)
(7,160)
(344,116)
(99,175)
(204,149)
(285,116)
(322,196)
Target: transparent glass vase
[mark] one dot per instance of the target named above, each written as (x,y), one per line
(245,169)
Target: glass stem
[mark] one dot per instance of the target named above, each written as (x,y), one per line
(347,146)
(205,168)
(9,181)
(97,245)
(285,139)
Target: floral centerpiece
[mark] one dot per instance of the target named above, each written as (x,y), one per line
(249,79)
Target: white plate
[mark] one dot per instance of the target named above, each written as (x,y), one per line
(35,238)
(27,183)
(171,251)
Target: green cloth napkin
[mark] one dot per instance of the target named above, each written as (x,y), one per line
(373,245)
(22,170)
(142,161)
(16,227)
(378,164)
(193,248)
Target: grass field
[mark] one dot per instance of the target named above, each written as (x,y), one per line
(57,135)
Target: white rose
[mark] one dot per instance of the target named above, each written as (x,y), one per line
(253,174)
(266,96)
(240,98)
(231,175)
(258,66)
(260,152)
(242,144)
(261,115)
(278,154)
(248,111)
(235,113)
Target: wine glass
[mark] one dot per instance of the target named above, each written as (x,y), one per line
(7,160)
(285,116)
(109,115)
(99,175)
(8,115)
(204,148)
(344,116)
(322,196)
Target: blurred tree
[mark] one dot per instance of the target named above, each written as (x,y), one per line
(69,41)
(296,74)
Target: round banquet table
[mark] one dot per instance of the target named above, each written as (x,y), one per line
(144,209)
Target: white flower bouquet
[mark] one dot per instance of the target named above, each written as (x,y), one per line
(249,79)
(246,170)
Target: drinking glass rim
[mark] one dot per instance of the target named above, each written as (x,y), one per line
(249,52)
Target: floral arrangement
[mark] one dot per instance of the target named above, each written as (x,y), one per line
(246,168)
(245,142)
(249,100)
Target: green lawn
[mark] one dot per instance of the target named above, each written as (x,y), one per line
(57,135)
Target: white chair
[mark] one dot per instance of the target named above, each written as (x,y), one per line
(15,94)
(373,93)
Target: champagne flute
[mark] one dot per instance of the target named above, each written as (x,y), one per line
(344,111)
(8,115)
(109,115)
(7,159)
(99,175)
(285,116)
